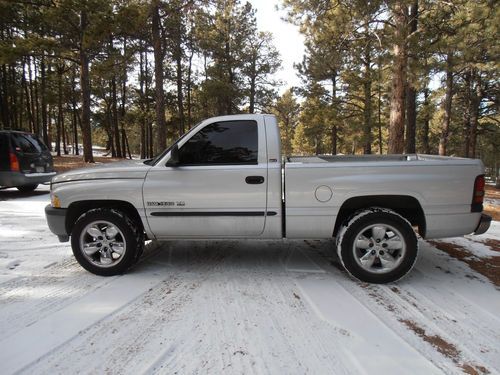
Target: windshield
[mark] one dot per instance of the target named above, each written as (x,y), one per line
(156,159)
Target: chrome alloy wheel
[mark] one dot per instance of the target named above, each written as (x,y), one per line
(379,248)
(102,243)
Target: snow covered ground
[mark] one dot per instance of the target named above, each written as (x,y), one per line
(240,307)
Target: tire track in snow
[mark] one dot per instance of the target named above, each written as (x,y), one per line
(411,303)
(258,324)
(44,294)
(229,310)
(129,330)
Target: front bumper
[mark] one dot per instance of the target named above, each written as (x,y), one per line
(484,224)
(12,179)
(56,219)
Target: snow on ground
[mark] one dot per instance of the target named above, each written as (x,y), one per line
(238,307)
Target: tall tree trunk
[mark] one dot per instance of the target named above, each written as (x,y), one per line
(65,138)
(50,113)
(180,95)
(333,104)
(21,98)
(142,106)
(13,97)
(32,99)
(75,112)
(88,157)
(43,99)
(114,117)
(189,83)
(4,97)
(476,97)
(466,117)
(367,109)
(253,74)
(411,92)
(29,106)
(397,112)
(425,129)
(124,99)
(445,127)
(149,123)
(158,57)
(37,100)
(59,123)
(379,102)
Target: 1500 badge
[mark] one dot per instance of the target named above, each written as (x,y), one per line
(166,204)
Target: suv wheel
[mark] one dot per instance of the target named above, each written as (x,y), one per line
(377,245)
(106,242)
(26,188)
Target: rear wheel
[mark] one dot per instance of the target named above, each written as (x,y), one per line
(26,188)
(377,245)
(106,242)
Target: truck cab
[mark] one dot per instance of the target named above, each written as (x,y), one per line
(221,180)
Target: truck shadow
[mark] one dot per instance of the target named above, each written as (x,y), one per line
(296,258)
(241,255)
(7,194)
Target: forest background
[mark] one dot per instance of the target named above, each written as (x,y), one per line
(133,75)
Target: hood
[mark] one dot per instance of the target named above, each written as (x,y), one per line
(121,169)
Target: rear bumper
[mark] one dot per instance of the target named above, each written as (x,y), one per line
(12,179)
(484,224)
(56,219)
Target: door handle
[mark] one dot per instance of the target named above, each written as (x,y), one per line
(254,180)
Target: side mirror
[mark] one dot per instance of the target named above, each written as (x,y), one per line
(174,156)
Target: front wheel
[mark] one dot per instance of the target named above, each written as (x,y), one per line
(106,242)
(377,245)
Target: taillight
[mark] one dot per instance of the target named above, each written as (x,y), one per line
(478,196)
(14,163)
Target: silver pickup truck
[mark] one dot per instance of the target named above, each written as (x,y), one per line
(226,179)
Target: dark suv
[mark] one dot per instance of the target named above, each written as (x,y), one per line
(25,161)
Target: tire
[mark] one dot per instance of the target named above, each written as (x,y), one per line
(26,188)
(113,242)
(377,245)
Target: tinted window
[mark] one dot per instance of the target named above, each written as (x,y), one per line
(27,143)
(228,142)
(37,142)
(4,145)
(4,153)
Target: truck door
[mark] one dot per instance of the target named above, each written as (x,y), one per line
(217,189)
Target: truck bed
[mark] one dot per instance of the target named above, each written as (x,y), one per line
(316,188)
(368,158)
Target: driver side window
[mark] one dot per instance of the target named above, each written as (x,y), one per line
(227,142)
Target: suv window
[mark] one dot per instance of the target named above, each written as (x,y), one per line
(228,142)
(4,144)
(28,143)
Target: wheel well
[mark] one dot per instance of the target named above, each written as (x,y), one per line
(406,206)
(76,209)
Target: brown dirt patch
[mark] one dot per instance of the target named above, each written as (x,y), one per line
(492,192)
(445,348)
(492,244)
(488,267)
(493,211)
(66,163)
(474,370)
(442,346)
